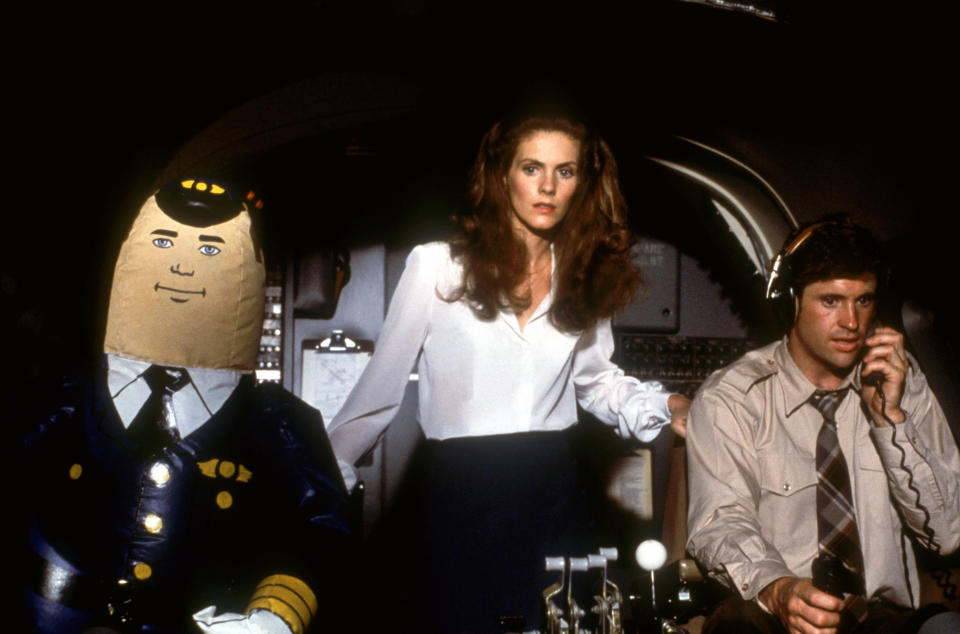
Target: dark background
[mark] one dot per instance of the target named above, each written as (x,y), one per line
(845,109)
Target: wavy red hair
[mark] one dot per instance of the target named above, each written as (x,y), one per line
(594,268)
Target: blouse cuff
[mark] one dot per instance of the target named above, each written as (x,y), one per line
(649,413)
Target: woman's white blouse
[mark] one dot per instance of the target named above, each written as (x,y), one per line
(487,377)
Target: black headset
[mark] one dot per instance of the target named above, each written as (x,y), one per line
(780,287)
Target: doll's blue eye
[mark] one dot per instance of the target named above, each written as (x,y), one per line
(208,249)
(163,243)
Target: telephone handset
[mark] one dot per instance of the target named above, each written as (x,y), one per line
(874,379)
(940,572)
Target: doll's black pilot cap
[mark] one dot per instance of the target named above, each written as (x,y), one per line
(199,202)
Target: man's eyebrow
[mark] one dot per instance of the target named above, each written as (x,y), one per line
(164,232)
(204,238)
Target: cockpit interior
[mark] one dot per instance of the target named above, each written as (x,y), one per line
(731,128)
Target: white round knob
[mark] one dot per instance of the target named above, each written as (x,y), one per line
(651,554)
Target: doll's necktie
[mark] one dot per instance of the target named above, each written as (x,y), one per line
(155,425)
(836,519)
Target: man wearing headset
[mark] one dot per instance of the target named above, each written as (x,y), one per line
(766,515)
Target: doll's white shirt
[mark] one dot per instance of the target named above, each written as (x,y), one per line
(193,404)
(487,377)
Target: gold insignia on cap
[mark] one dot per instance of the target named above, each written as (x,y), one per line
(142,571)
(76,470)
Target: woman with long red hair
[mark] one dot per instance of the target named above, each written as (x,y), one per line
(510,322)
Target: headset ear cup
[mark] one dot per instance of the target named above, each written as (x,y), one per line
(785,309)
(780,293)
(786,305)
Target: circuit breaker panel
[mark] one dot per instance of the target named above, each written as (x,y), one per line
(270,356)
(680,363)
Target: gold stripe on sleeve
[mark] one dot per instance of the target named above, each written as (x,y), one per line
(288,597)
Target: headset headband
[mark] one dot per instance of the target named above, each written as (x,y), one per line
(772,291)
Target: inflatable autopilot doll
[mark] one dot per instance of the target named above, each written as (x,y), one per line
(176,494)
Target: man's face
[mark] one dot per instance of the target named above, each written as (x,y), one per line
(184,247)
(184,295)
(831,326)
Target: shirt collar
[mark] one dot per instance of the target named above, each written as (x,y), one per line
(797,388)
(194,404)
(510,318)
(547,302)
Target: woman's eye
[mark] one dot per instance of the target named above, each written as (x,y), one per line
(529,169)
(163,243)
(209,249)
(567,173)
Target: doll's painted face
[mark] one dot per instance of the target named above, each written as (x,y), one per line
(181,245)
(187,295)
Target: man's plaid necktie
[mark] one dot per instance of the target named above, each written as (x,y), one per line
(836,519)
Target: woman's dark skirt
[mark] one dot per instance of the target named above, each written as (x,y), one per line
(493,508)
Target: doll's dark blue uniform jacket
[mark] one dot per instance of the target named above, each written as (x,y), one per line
(254,491)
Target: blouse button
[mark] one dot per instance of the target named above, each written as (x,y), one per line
(786,486)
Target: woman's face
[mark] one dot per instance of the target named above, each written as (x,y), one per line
(541,180)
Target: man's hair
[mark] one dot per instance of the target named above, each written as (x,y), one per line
(836,248)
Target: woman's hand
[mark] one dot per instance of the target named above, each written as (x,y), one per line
(679,407)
